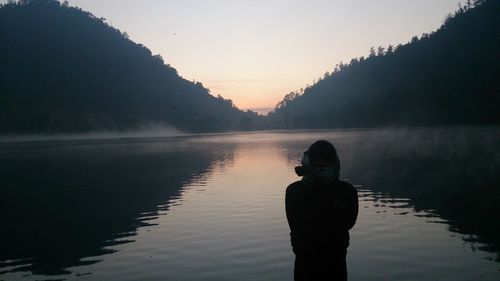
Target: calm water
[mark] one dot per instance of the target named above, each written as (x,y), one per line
(212,207)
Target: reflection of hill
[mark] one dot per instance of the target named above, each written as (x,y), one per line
(452,172)
(61,203)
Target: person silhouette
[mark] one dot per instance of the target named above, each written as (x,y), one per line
(320,209)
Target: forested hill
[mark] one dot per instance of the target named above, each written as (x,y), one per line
(448,77)
(64,70)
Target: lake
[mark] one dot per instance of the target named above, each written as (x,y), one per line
(211,207)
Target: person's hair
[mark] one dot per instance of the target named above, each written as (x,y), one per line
(322,150)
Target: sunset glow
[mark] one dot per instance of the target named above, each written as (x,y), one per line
(255,52)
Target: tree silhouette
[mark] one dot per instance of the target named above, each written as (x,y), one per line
(372,52)
(448,77)
(64,70)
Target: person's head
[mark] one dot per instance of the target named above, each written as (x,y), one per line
(320,162)
(322,153)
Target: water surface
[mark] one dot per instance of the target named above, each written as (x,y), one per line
(212,207)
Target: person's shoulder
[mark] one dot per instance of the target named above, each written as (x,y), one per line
(295,186)
(344,183)
(347,186)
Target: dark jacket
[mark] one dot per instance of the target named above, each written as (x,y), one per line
(320,216)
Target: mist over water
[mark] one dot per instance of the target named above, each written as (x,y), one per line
(146,131)
(211,207)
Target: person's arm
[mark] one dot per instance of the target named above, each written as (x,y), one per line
(352,208)
(291,209)
(288,208)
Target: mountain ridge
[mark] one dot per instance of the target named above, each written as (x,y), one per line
(66,71)
(445,78)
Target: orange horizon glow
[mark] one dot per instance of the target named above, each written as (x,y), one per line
(256,52)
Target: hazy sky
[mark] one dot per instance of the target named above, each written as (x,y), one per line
(255,52)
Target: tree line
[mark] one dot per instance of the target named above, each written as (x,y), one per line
(446,77)
(65,70)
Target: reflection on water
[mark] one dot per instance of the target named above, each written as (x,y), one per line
(450,172)
(65,202)
(393,241)
(211,207)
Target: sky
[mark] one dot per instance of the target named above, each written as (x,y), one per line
(255,52)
